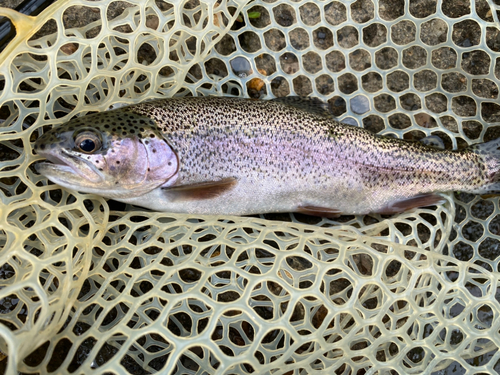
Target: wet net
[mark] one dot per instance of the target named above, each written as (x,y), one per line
(90,285)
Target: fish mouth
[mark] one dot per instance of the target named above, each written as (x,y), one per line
(69,170)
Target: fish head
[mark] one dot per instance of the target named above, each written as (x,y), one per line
(116,154)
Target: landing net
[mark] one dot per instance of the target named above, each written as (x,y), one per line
(88,285)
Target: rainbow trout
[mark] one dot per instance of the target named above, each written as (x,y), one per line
(213,155)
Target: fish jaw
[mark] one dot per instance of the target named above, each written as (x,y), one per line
(69,170)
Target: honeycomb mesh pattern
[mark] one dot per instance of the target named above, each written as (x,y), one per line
(91,286)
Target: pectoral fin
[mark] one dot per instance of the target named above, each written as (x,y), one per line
(319,211)
(200,191)
(422,200)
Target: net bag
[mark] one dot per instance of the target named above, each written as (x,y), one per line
(88,285)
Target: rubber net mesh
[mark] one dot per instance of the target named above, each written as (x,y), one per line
(91,285)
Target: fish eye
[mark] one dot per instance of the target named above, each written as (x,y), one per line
(88,142)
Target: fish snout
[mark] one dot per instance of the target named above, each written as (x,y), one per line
(51,140)
(40,144)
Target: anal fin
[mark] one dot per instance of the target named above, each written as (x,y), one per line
(422,200)
(319,211)
(200,191)
(491,195)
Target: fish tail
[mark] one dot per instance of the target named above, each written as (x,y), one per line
(489,152)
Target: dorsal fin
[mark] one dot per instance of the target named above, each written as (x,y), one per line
(306,103)
(433,141)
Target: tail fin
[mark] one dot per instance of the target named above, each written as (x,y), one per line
(490,153)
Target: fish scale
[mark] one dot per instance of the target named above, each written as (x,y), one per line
(284,156)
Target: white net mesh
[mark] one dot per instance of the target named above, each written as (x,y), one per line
(90,285)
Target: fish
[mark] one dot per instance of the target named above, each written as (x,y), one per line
(235,156)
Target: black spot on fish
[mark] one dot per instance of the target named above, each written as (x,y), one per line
(132,131)
(146,142)
(169,163)
(124,133)
(149,169)
(141,129)
(118,162)
(152,135)
(106,126)
(154,150)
